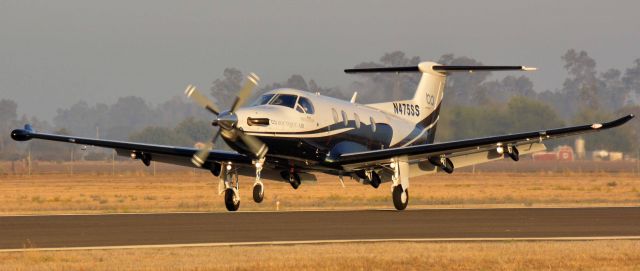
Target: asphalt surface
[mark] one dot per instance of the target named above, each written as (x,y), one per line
(58,231)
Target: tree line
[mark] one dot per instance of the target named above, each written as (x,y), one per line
(474,105)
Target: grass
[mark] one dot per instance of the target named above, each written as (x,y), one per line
(95,190)
(189,191)
(515,255)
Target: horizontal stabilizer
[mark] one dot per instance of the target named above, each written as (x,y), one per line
(442,68)
(482,68)
(385,69)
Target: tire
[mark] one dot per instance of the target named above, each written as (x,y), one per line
(397,197)
(375,180)
(258,193)
(295,181)
(230,200)
(514,154)
(448,166)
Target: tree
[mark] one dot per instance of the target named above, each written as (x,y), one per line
(195,130)
(224,90)
(52,150)
(463,88)
(526,114)
(8,121)
(297,81)
(631,78)
(582,82)
(162,136)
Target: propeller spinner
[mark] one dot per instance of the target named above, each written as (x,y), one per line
(227,121)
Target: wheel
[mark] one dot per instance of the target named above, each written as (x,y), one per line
(514,154)
(231,200)
(448,166)
(400,197)
(294,181)
(375,180)
(258,192)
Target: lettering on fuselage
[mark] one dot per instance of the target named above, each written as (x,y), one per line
(285,123)
(406,109)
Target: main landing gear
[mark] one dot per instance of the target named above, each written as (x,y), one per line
(400,197)
(231,184)
(292,177)
(400,187)
(258,187)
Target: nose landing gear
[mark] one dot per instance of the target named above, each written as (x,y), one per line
(258,187)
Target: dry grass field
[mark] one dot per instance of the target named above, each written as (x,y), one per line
(95,188)
(516,255)
(177,189)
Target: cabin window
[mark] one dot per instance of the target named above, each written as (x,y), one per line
(345,119)
(336,119)
(373,124)
(284,100)
(305,105)
(357,120)
(264,99)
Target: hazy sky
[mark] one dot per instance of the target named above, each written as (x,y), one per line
(54,53)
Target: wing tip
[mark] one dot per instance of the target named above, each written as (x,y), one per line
(617,122)
(22,134)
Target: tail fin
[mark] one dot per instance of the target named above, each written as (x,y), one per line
(424,108)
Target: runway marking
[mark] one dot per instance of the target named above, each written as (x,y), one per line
(320,210)
(310,242)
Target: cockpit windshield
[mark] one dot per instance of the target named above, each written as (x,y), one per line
(303,104)
(287,100)
(264,99)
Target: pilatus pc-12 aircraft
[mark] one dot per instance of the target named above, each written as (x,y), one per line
(289,134)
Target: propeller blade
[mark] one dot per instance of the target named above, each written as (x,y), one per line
(255,145)
(201,156)
(200,99)
(245,91)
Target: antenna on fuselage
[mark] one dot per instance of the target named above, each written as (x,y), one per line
(353,98)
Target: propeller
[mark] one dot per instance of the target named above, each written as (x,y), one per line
(227,121)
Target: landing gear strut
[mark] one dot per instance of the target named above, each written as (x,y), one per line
(258,187)
(400,178)
(231,186)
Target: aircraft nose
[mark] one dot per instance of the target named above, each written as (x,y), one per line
(227,120)
(253,117)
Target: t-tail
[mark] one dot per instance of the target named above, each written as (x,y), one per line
(424,108)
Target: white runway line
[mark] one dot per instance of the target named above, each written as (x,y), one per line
(309,242)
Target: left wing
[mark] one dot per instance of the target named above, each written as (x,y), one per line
(467,147)
(145,152)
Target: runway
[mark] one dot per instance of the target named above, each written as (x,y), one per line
(193,229)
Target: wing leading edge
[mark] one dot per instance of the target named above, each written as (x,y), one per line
(161,153)
(454,148)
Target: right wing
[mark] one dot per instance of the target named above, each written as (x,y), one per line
(486,145)
(161,153)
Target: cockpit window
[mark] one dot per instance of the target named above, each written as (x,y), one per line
(284,100)
(305,105)
(264,99)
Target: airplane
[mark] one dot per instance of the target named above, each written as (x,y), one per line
(290,135)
